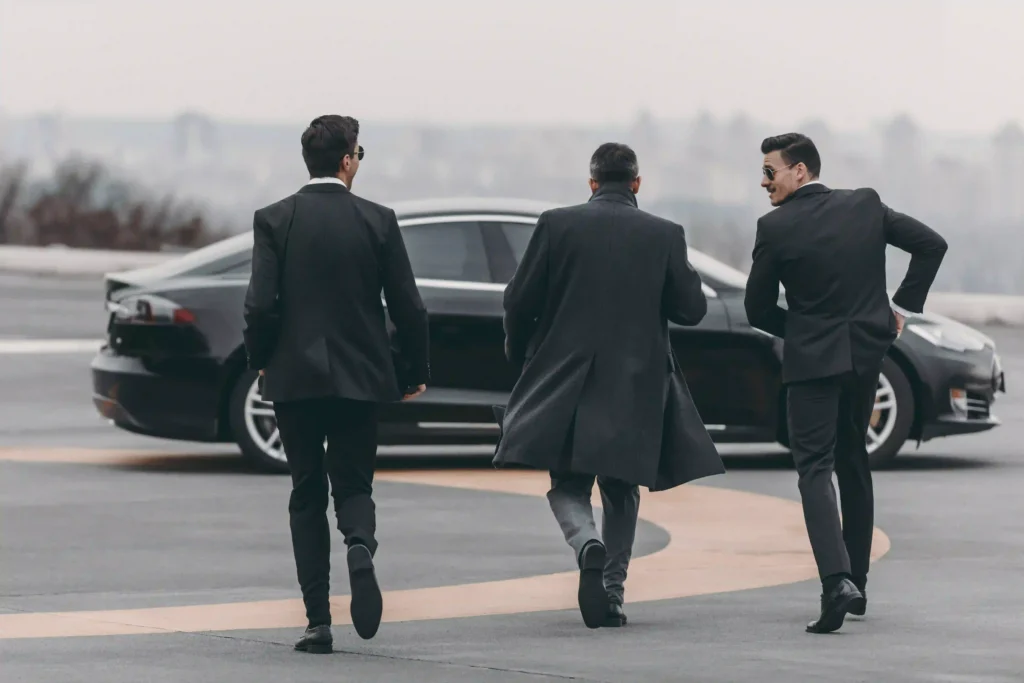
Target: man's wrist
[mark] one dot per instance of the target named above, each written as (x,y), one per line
(899,309)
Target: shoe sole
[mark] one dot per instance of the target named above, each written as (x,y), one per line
(833,621)
(318,649)
(367,604)
(592,597)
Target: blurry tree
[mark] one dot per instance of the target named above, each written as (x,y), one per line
(84,206)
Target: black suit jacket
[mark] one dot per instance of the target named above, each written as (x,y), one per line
(586,315)
(314,319)
(827,248)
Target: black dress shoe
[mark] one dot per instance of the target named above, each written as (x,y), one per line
(615,616)
(367,604)
(842,599)
(859,609)
(316,640)
(593,599)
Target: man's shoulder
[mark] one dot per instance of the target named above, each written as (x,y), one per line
(659,222)
(781,214)
(277,211)
(590,209)
(371,208)
(857,194)
(562,212)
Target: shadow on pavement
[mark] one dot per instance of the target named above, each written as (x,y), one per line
(185,463)
(905,462)
(221,463)
(908,462)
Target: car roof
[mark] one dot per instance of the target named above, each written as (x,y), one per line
(416,208)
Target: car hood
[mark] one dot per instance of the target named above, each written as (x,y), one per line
(938,320)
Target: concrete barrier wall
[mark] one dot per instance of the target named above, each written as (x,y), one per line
(75,262)
(971,309)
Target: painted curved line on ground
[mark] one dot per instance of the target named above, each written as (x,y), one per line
(721,540)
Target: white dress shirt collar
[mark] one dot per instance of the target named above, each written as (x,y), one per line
(331,179)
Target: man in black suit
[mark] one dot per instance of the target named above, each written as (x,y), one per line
(827,248)
(601,394)
(315,328)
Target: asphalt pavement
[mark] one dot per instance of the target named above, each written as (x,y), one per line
(195,527)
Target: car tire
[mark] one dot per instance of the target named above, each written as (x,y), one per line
(885,452)
(244,423)
(896,384)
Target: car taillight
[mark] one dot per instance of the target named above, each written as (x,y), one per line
(183,316)
(148,309)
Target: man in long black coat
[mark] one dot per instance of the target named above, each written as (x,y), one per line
(601,395)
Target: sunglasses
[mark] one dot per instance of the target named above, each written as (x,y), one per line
(360,153)
(770,172)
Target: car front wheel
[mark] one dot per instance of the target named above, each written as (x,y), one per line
(891,420)
(255,427)
(893,416)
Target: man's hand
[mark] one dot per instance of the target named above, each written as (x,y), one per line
(261,372)
(419,390)
(899,322)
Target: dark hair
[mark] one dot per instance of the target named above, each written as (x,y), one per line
(326,142)
(614,162)
(795,148)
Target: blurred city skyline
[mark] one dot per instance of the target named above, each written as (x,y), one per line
(703,172)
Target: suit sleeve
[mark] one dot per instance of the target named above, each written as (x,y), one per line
(761,299)
(526,294)
(405,306)
(926,247)
(683,300)
(261,313)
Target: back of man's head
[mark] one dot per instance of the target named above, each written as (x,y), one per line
(326,142)
(614,162)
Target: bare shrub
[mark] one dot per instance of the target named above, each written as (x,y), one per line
(83,205)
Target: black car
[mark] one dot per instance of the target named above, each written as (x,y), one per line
(173,364)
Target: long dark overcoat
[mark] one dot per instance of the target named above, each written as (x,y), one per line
(586,317)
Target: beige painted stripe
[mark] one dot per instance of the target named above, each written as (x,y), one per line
(721,540)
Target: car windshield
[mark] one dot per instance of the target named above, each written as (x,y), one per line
(716,270)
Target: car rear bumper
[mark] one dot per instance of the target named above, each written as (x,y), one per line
(139,400)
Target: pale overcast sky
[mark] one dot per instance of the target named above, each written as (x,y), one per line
(954,65)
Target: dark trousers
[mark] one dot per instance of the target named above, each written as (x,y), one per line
(569,498)
(350,428)
(828,423)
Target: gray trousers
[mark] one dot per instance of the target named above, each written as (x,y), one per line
(569,498)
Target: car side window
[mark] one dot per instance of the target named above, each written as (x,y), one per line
(447,251)
(240,270)
(518,236)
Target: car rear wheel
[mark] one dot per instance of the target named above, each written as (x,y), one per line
(254,425)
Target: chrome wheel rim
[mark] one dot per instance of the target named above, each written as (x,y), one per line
(883,417)
(261,424)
